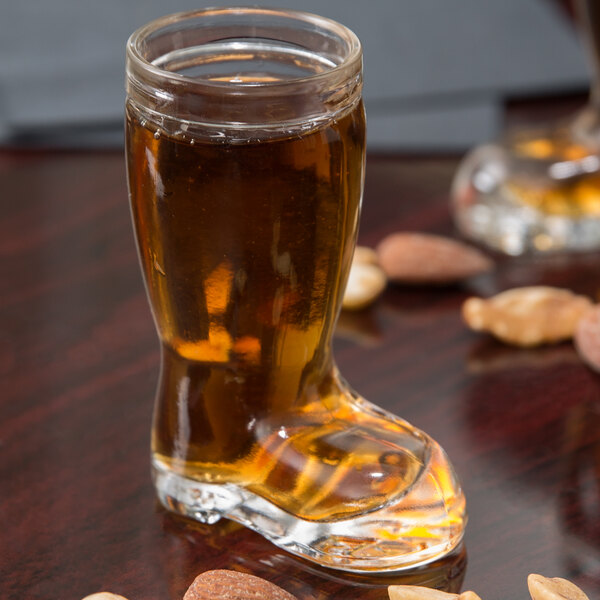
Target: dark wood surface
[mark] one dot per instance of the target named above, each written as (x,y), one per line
(78,369)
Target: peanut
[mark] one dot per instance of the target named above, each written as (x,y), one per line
(545,588)
(417,592)
(365,283)
(527,316)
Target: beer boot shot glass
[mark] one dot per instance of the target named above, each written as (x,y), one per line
(245,153)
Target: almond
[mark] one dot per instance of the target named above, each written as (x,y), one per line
(555,588)
(527,316)
(231,585)
(587,338)
(421,258)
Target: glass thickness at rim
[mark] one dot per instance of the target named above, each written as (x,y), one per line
(140,36)
(249,65)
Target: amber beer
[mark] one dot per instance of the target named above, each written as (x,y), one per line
(245,248)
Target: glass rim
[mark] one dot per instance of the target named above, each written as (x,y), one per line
(134,54)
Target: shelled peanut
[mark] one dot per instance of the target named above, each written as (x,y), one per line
(415,592)
(540,588)
(528,316)
(555,588)
(366,280)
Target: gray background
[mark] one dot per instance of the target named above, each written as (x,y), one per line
(436,71)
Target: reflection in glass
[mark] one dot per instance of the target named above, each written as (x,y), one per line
(190,546)
(538,190)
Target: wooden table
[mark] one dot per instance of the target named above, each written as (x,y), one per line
(78,369)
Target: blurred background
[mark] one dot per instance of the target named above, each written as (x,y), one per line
(438,73)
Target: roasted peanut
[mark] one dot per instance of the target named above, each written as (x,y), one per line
(527,316)
(365,283)
(555,588)
(417,592)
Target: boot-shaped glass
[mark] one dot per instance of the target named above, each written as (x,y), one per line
(245,148)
